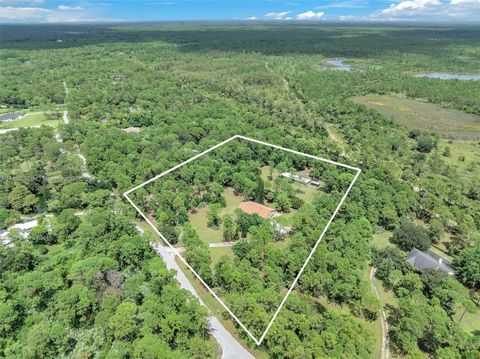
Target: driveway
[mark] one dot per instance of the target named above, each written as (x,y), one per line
(231,348)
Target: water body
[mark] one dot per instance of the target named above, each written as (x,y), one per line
(445,76)
(338,64)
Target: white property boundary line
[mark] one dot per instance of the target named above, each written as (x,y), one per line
(257,341)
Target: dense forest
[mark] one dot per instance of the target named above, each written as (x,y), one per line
(84,283)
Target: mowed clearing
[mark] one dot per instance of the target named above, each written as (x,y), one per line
(30,120)
(199,218)
(424,116)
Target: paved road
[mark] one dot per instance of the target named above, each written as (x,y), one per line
(383,318)
(231,348)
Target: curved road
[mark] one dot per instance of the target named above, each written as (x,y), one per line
(231,348)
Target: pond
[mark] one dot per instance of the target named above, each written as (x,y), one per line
(445,76)
(337,64)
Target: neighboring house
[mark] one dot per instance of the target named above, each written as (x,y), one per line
(24,228)
(250,207)
(11,116)
(132,129)
(303,180)
(427,260)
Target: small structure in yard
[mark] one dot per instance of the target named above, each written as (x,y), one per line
(131,129)
(280,229)
(427,260)
(304,180)
(11,116)
(250,207)
(296,178)
(316,183)
(139,229)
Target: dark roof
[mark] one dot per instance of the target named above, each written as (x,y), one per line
(9,116)
(422,261)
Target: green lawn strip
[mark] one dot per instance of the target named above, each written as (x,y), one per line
(217,310)
(380,240)
(218,252)
(286,219)
(438,250)
(36,119)
(468,321)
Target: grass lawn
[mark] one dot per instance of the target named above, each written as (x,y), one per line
(424,116)
(36,119)
(380,240)
(199,220)
(286,218)
(218,252)
(470,321)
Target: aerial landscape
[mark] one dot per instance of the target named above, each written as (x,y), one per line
(262,179)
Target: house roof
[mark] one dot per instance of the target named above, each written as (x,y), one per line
(132,129)
(256,208)
(10,116)
(422,261)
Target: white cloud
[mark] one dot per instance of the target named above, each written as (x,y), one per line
(277,15)
(347,18)
(42,15)
(22,2)
(68,8)
(347,4)
(425,10)
(252,18)
(310,15)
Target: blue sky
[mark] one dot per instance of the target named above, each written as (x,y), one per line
(279,10)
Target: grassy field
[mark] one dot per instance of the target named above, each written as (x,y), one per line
(468,321)
(199,219)
(424,116)
(218,252)
(464,155)
(36,119)
(381,239)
